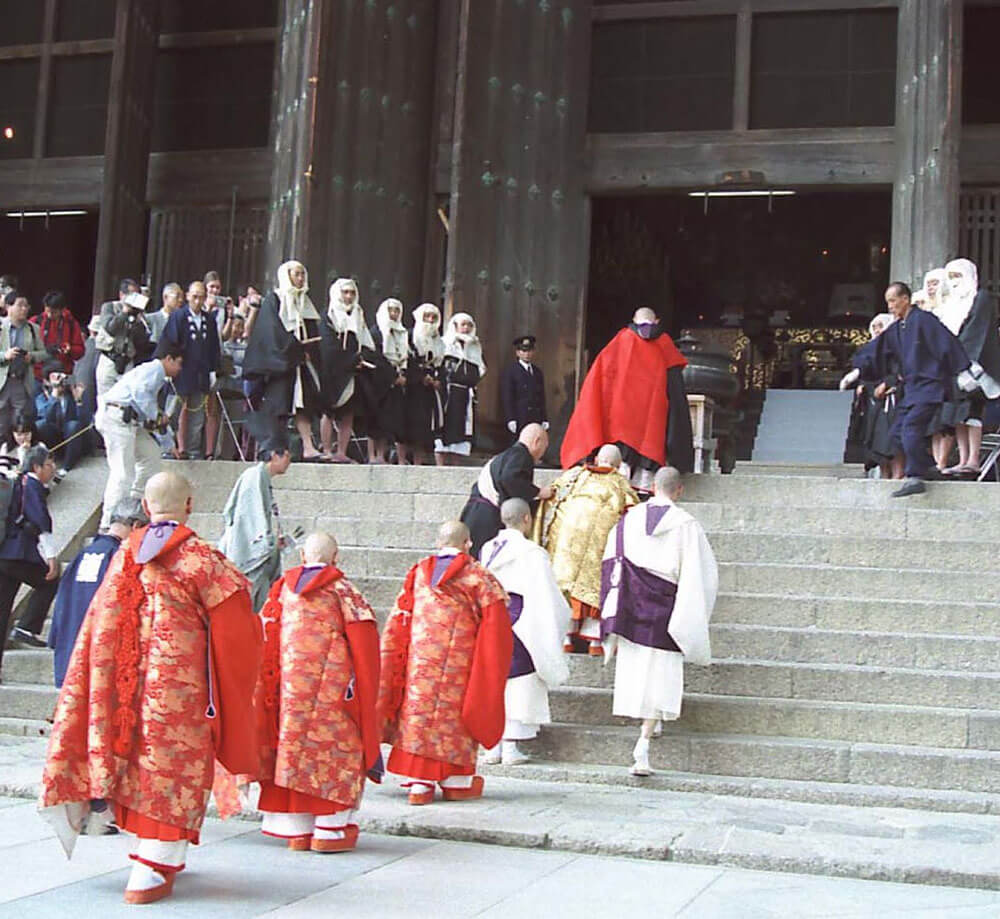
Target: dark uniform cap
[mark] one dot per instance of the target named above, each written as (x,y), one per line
(524,342)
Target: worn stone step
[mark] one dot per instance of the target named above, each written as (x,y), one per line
(872,649)
(753,787)
(27,702)
(861,613)
(798,759)
(28,666)
(755,717)
(843,581)
(818,681)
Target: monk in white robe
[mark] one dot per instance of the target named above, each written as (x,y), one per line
(539,616)
(658,587)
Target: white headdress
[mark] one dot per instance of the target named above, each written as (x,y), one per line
(427,337)
(935,303)
(348,317)
(464,345)
(883,319)
(394,343)
(294,303)
(961,293)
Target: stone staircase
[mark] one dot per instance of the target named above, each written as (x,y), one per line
(803,426)
(856,637)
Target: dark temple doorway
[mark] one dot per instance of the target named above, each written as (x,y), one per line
(51,253)
(805,260)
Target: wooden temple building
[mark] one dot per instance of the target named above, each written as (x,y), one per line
(546,165)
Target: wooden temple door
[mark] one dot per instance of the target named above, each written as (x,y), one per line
(519,217)
(121,234)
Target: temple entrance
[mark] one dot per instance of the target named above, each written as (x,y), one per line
(797,273)
(52,253)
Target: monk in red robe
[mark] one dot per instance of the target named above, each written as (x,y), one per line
(316,703)
(159,686)
(446,652)
(633,396)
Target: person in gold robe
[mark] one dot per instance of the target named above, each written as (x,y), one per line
(573,527)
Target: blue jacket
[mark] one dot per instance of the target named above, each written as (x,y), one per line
(201,349)
(76,589)
(27,516)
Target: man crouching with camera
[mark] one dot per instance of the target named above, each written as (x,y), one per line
(126,416)
(20,346)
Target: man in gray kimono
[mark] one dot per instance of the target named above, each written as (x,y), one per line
(252,539)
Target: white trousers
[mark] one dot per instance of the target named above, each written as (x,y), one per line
(106,374)
(133,456)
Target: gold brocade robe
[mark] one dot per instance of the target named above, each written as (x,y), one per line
(574,525)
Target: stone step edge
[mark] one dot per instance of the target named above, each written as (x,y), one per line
(834,634)
(628,733)
(807,792)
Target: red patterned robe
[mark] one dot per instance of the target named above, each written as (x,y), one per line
(446,651)
(160,684)
(316,695)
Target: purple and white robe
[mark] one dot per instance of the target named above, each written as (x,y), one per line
(659,581)
(539,618)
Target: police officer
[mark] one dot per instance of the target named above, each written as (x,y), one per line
(522,388)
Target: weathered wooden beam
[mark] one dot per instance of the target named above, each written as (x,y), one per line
(208,176)
(625,163)
(58,49)
(673,9)
(219,39)
(928,135)
(44,80)
(51,182)
(741,68)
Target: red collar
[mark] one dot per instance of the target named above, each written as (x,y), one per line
(324,576)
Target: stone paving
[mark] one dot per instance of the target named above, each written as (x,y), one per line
(238,872)
(890,844)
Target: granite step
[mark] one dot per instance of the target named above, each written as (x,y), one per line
(755,718)
(797,759)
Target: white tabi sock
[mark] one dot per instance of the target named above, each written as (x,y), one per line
(512,756)
(641,749)
(457,781)
(492,756)
(287,826)
(591,629)
(332,826)
(418,788)
(144,878)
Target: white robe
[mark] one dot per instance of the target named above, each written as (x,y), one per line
(523,567)
(649,682)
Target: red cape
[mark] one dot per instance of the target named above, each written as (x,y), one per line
(624,398)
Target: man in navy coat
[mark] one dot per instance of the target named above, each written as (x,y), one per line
(197,333)
(522,389)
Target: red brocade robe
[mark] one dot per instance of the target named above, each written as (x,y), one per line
(446,652)
(160,684)
(624,399)
(316,695)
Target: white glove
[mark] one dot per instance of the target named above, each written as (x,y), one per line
(512,427)
(212,377)
(545,425)
(610,645)
(850,378)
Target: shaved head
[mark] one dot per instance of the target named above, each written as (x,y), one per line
(319,549)
(644,314)
(667,483)
(167,497)
(516,514)
(609,455)
(535,438)
(453,534)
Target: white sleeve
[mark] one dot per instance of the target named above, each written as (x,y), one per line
(47,546)
(697,587)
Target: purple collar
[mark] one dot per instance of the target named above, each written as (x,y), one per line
(157,535)
(654,514)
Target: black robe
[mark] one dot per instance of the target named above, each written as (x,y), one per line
(460,377)
(424,403)
(389,418)
(342,359)
(981,341)
(513,473)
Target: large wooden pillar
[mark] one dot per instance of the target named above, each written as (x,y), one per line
(293,132)
(121,235)
(928,130)
(518,244)
(352,141)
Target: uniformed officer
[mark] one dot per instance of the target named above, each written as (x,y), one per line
(522,388)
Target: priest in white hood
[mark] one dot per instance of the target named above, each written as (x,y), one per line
(392,342)
(424,389)
(345,339)
(462,370)
(659,581)
(539,616)
(971,314)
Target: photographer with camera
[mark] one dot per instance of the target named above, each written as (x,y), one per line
(28,553)
(62,416)
(126,415)
(60,332)
(20,347)
(123,338)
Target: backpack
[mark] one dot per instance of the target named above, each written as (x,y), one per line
(6,495)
